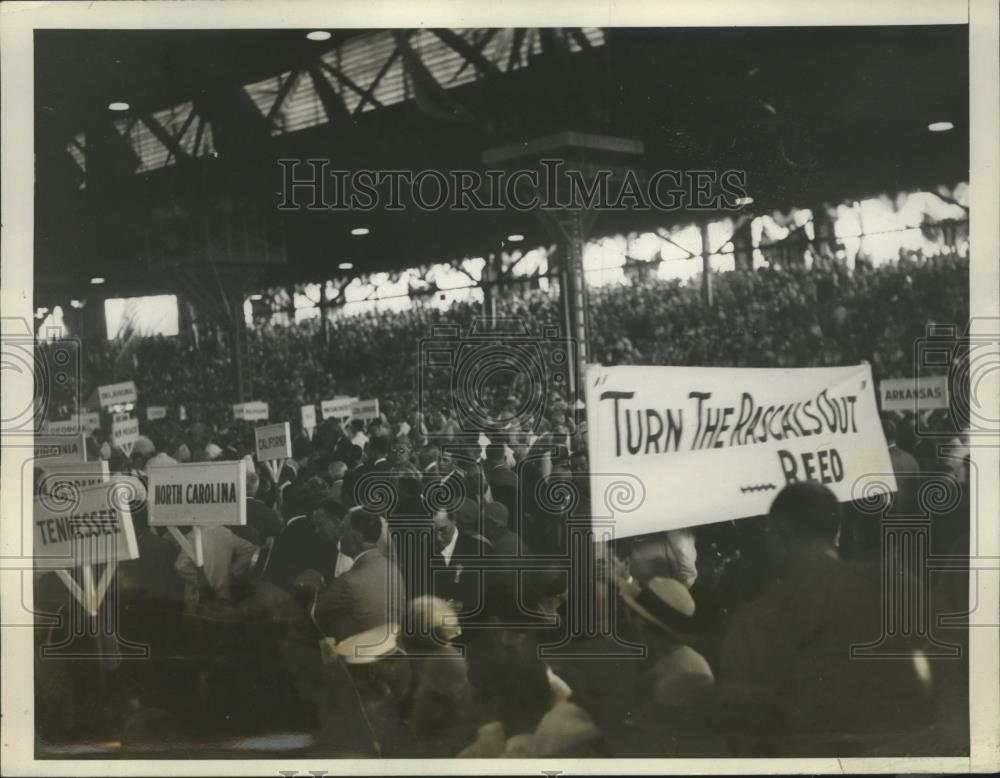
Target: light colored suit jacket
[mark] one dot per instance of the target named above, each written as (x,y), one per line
(368,595)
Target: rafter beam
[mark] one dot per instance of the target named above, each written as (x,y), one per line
(432,98)
(279,99)
(163,136)
(469,52)
(577,34)
(338,74)
(368,96)
(336,111)
(517,42)
(479,46)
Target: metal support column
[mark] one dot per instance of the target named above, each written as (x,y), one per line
(706,267)
(240,342)
(491,280)
(570,228)
(573,294)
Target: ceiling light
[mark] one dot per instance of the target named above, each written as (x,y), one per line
(741,201)
(515,238)
(97,280)
(940,126)
(346,265)
(360,231)
(318,35)
(118,106)
(256,297)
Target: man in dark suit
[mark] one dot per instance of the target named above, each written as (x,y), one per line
(370,594)
(262,522)
(787,678)
(358,482)
(308,542)
(501,583)
(460,546)
(502,481)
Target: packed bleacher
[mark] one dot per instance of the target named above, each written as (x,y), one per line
(743,625)
(790,317)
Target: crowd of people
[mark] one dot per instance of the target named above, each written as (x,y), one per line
(787,317)
(413,587)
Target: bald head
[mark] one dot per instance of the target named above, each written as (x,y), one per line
(337,470)
(253,482)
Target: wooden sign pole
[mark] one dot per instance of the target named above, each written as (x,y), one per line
(92,594)
(195,550)
(105,583)
(74,588)
(274,467)
(89,591)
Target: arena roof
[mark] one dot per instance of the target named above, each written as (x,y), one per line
(811,114)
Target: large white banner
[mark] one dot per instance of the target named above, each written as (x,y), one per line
(712,444)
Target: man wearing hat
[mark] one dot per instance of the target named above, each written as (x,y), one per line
(143,450)
(263,522)
(496,527)
(501,479)
(368,595)
(501,586)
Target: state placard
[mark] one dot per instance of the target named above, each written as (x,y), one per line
(927,393)
(69,427)
(337,408)
(255,410)
(52,448)
(198,494)
(89,421)
(365,410)
(117,394)
(75,424)
(124,431)
(52,476)
(274,441)
(83,528)
(308,417)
